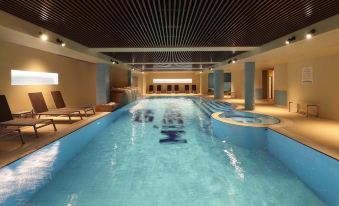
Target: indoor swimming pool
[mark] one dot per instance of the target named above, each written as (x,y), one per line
(158,151)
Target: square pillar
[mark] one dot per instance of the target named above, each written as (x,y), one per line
(218,84)
(249,85)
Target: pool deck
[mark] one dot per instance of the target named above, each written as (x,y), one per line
(11,148)
(318,133)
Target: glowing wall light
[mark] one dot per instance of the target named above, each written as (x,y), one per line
(19,77)
(172,81)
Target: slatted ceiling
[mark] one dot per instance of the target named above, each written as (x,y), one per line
(201,56)
(172,23)
(177,23)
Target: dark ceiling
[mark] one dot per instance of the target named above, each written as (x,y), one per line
(172,23)
(176,57)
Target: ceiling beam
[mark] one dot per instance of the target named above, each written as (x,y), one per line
(172,49)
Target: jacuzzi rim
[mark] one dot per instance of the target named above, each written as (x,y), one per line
(216,116)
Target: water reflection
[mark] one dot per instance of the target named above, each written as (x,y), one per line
(235,163)
(27,175)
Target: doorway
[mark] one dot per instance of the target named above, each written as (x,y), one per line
(268,84)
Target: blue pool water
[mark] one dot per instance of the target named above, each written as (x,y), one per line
(126,164)
(162,152)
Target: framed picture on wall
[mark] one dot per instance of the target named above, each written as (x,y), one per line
(307,75)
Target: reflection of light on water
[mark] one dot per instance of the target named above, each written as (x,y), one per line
(133,134)
(140,105)
(114,155)
(235,163)
(29,175)
(72,199)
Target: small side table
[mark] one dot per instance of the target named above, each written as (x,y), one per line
(23,114)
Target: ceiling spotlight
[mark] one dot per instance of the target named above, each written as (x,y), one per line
(234,61)
(310,34)
(60,42)
(43,36)
(289,40)
(114,62)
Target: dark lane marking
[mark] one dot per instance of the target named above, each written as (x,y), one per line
(173,127)
(143,115)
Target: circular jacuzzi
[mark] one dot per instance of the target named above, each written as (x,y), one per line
(248,118)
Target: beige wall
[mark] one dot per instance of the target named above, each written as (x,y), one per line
(77,79)
(280,77)
(204,83)
(119,76)
(238,82)
(195,76)
(323,91)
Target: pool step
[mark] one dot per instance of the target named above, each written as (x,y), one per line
(210,106)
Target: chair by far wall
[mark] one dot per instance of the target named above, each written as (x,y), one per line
(169,88)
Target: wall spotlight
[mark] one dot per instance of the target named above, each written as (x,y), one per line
(290,40)
(234,60)
(310,34)
(43,37)
(60,42)
(114,62)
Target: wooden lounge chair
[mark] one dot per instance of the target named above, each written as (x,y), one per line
(158,89)
(40,107)
(176,88)
(187,88)
(8,131)
(60,104)
(169,89)
(194,88)
(6,118)
(150,89)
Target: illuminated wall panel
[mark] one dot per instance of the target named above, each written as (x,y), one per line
(20,77)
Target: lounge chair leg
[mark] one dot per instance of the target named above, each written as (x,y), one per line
(36,131)
(39,116)
(21,137)
(80,115)
(93,110)
(85,113)
(55,129)
(69,117)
